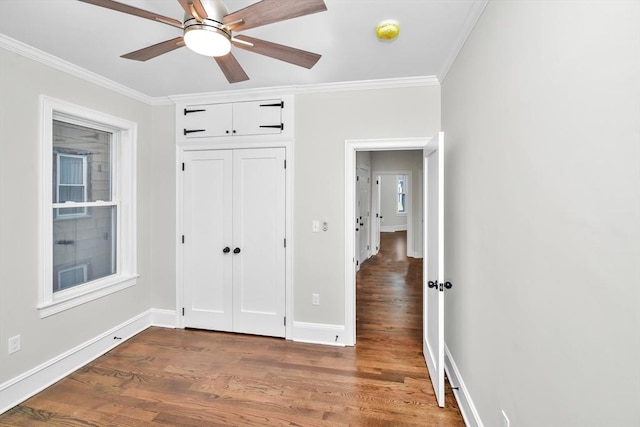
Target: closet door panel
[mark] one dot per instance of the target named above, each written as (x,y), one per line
(259,233)
(207,269)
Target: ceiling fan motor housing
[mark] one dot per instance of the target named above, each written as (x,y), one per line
(208,36)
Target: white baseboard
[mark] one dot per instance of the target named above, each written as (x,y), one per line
(465,403)
(393,228)
(164,318)
(318,333)
(20,388)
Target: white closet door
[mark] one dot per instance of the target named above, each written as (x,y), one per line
(258,235)
(207,211)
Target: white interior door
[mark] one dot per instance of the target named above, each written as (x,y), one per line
(207,268)
(434,264)
(259,241)
(364,209)
(375,219)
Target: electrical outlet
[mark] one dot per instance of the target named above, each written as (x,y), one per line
(315,299)
(505,419)
(14,344)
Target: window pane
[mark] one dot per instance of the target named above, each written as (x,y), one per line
(71,170)
(82,156)
(71,194)
(85,243)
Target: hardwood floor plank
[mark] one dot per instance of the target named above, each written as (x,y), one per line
(165,377)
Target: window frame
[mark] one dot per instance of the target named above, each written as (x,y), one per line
(124,151)
(404,179)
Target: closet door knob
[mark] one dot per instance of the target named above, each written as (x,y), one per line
(236,251)
(226,250)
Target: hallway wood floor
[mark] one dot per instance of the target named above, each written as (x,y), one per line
(166,377)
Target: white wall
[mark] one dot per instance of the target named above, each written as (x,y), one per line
(405,160)
(541,110)
(22,81)
(323,123)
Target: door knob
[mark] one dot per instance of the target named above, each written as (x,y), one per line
(448,285)
(236,251)
(226,250)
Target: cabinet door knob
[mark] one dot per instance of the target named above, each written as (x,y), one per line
(226,250)
(236,251)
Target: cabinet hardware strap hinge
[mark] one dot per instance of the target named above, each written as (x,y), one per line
(275,104)
(193,111)
(280,126)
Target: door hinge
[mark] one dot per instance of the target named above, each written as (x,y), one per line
(285,320)
(285,163)
(285,242)
(377,182)
(183,311)
(357,262)
(183,238)
(182,165)
(368,247)
(357,178)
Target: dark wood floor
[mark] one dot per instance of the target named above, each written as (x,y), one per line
(165,377)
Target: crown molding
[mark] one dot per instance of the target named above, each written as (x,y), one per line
(37,55)
(248,94)
(370,84)
(67,67)
(470,22)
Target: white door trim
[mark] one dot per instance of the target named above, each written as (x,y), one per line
(351,146)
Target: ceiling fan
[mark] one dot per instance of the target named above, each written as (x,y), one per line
(207,29)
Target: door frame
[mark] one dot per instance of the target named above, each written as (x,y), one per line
(264,141)
(351,147)
(367,168)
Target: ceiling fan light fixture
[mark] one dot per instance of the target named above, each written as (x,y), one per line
(207,40)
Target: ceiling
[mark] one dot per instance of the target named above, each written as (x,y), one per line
(93,38)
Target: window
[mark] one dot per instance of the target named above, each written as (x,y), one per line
(401,185)
(71,181)
(88,182)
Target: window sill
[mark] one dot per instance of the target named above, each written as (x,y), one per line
(90,293)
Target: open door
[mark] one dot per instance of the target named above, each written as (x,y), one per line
(433,315)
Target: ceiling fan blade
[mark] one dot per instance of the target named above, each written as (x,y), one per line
(125,8)
(283,53)
(194,8)
(231,68)
(155,50)
(270,11)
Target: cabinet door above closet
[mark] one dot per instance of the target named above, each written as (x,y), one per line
(231,119)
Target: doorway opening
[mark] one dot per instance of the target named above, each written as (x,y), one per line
(352,148)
